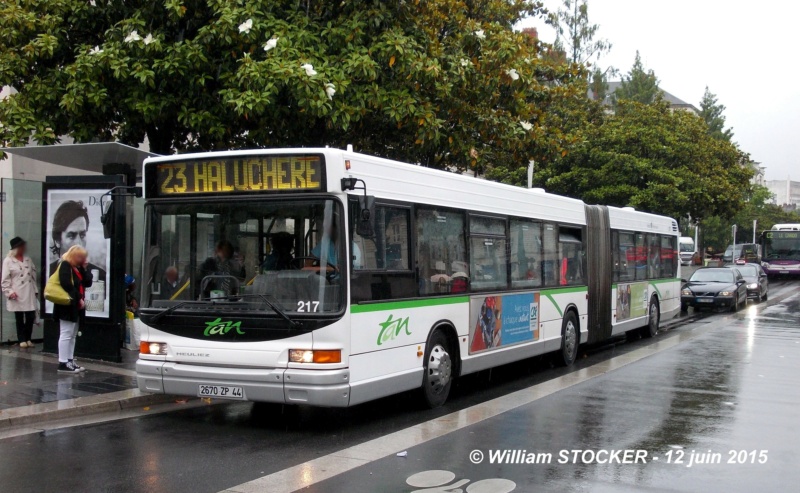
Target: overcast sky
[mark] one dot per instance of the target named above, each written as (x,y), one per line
(745,51)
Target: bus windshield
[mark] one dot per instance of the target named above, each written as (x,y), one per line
(244,256)
(782,245)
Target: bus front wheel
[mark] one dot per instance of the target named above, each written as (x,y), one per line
(570,339)
(438,377)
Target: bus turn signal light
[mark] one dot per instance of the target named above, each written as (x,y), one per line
(315,356)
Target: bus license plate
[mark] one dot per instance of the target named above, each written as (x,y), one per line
(220,392)
(705,300)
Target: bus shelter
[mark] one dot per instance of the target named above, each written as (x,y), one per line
(51,196)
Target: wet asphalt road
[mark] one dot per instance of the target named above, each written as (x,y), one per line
(731,389)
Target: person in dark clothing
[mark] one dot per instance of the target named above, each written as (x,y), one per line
(280,257)
(171,287)
(221,264)
(74,277)
(131,303)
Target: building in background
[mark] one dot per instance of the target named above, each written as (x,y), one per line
(675,102)
(759,171)
(786,193)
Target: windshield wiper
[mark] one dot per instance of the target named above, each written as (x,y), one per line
(277,310)
(169,310)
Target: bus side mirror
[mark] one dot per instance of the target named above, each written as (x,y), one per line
(366,216)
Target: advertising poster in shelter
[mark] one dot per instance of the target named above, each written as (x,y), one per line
(73,218)
(497,321)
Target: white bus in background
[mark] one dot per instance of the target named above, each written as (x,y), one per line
(786,227)
(330,278)
(686,249)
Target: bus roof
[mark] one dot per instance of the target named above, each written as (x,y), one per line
(394,180)
(786,227)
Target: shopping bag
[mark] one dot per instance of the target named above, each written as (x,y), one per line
(131,332)
(53,291)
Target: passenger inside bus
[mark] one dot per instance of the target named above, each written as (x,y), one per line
(221,272)
(281,255)
(171,287)
(331,257)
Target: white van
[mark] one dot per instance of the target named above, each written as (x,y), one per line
(686,249)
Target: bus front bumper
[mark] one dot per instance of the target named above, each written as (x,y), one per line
(323,388)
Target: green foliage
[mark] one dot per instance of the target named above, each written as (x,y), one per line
(654,159)
(444,83)
(575,34)
(639,84)
(712,112)
(717,231)
(598,85)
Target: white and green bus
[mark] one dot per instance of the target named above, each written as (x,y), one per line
(330,278)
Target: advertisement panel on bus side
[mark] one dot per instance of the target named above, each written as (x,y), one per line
(631,300)
(503,320)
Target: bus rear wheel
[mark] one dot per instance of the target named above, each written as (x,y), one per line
(570,340)
(653,319)
(438,376)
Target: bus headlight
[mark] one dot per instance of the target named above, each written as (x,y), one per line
(765,265)
(315,356)
(157,348)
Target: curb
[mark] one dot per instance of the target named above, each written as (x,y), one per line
(80,406)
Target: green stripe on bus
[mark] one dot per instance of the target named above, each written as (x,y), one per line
(548,293)
(452,300)
(399,305)
(558,308)
(658,291)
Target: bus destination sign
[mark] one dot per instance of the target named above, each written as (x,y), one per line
(267,173)
(783,235)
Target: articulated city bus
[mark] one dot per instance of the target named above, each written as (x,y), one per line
(330,278)
(780,250)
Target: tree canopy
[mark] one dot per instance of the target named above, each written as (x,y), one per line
(654,159)
(445,83)
(639,84)
(577,35)
(712,112)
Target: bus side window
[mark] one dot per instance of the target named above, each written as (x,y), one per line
(388,249)
(653,257)
(550,264)
(441,252)
(571,255)
(668,257)
(526,254)
(627,257)
(615,255)
(641,257)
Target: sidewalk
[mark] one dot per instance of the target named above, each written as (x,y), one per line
(32,391)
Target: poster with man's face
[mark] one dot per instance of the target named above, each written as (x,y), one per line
(73,218)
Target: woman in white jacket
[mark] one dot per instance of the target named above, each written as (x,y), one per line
(19,286)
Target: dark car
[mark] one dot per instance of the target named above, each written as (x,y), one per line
(715,287)
(750,252)
(756,279)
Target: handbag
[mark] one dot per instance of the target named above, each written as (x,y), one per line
(54,292)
